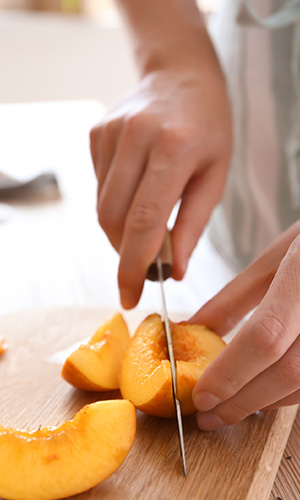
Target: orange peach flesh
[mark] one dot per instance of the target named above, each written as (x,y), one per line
(60,462)
(3,345)
(146,373)
(96,365)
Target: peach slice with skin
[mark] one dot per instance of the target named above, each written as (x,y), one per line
(95,366)
(69,459)
(3,346)
(145,377)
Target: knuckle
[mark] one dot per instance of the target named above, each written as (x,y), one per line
(174,140)
(135,124)
(236,412)
(160,174)
(107,128)
(143,217)
(111,126)
(230,385)
(268,336)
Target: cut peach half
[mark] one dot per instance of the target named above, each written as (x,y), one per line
(95,366)
(145,377)
(59,462)
(3,345)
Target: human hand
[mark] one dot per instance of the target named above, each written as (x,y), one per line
(260,368)
(169,139)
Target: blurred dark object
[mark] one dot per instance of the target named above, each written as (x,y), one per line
(43,186)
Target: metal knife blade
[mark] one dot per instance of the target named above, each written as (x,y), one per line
(166,324)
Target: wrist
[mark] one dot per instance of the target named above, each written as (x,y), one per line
(167,34)
(195,53)
(173,49)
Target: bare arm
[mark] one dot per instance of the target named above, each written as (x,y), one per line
(166,33)
(168,139)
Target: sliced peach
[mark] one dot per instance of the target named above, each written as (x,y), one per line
(95,366)
(145,377)
(3,345)
(66,460)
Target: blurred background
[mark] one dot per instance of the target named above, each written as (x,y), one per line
(62,63)
(65,50)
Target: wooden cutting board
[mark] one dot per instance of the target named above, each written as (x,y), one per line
(235,463)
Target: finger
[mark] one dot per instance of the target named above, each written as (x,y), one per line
(107,145)
(279,381)
(261,342)
(168,170)
(93,143)
(290,400)
(95,139)
(243,293)
(123,178)
(103,142)
(199,198)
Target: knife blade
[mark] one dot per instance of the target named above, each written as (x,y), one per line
(165,321)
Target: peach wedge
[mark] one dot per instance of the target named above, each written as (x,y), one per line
(3,346)
(145,377)
(59,462)
(95,366)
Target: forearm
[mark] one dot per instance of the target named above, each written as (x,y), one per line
(166,33)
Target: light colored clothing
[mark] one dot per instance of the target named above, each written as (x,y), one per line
(258,42)
(286,14)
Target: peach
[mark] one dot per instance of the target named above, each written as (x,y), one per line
(95,366)
(145,376)
(69,459)
(3,345)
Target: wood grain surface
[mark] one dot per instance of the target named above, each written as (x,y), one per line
(287,484)
(234,463)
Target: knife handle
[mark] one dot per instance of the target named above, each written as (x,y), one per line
(166,260)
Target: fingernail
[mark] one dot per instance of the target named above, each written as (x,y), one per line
(127,299)
(205,401)
(209,422)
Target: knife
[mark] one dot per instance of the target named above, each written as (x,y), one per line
(160,271)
